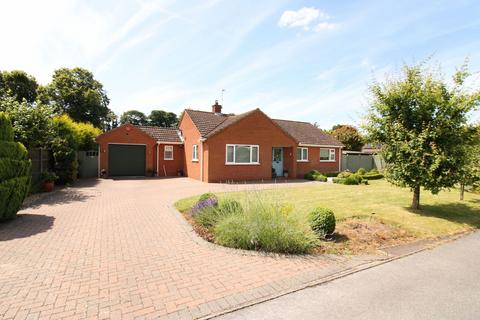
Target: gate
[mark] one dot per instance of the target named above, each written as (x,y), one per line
(88,163)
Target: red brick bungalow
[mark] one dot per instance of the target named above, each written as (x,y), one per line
(215,147)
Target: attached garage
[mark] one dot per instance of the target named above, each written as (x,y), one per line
(126,160)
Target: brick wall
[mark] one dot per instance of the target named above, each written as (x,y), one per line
(315,164)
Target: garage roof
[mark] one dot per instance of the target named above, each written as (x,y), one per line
(162,134)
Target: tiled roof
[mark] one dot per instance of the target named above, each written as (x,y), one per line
(161,134)
(209,123)
(307,133)
(206,122)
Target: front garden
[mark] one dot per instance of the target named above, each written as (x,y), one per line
(298,220)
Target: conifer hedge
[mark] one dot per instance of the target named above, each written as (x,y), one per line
(15,169)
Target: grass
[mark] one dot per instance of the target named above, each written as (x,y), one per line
(441,214)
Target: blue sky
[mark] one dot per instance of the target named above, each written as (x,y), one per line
(302,60)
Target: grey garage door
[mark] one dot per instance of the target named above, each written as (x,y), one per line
(126,160)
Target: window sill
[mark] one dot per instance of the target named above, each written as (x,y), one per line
(303,161)
(242,164)
(194,160)
(167,159)
(327,160)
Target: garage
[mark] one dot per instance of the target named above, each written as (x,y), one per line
(126,160)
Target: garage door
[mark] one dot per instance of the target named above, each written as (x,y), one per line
(126,160)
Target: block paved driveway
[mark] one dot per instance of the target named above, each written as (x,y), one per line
(117,249)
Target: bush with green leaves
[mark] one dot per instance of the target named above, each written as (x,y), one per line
(265,227)
(349,179)
(344,174)
(315,175)
(361,171)
(322,221)
(15,169)
(372,176)
(320,177)
(64,149)
(210,216)
(330,174)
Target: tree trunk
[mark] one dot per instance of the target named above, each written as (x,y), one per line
(462,190)
(416,198)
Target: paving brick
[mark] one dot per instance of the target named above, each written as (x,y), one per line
(116,249)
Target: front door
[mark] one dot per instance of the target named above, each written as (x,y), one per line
(277,161)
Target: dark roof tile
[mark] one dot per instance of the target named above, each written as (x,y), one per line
(161,134)
(307,133)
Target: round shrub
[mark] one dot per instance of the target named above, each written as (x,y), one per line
(320,177)
(208,195)
(231,206)
(361,171)
(322,221)
(210,216)
(352,179)
(375,171)
(14,171)
(203,204)
(308,176)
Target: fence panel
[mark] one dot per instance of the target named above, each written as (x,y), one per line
(41,162)
(355,161)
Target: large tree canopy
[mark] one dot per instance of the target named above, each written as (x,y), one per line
(134,117)
(349,136)
(77,93)
(162,118)
(421,123)
(19,85)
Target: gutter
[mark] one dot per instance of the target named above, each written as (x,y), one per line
(201,140)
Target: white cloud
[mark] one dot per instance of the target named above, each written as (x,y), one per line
(324,26)
(307,18)
(303,17)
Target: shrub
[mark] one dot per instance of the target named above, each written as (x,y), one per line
(344,174)
(202,205)
(352,179)
(210,216)
(373,176)
(373,171)
(264,227)
(320,177)
(14,171)
(64,149)
(322,221)
(364,181)
(308,176)
(361,171)
(208,195)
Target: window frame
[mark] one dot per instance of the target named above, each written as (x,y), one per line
(234,156)
(301,154)
(331,155)
(195,152)
(165,152)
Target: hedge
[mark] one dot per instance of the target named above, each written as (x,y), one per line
(15,169)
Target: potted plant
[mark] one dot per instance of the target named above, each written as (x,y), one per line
(285,173)
(48,179)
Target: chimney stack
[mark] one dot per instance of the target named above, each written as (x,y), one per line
(217,108)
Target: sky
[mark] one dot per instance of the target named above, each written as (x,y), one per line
(301,60)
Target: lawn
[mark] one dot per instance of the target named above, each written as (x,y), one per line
(442,214)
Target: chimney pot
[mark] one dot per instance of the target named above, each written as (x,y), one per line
(217,108)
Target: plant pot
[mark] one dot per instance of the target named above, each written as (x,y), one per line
(48,186)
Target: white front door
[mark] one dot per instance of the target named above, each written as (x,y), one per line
(277,161)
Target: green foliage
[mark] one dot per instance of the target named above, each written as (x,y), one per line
(372,176)
(162,118)
(14,171)
(315,175)
(134,117)
(211,216)
(32,123)
(264,227)
(19,85)
(330,174)
(64,149)
(322,221)
(349,178)
(320,177)
(361,171)
(208,195)
(344,174)
(77,93)
(420,122)
(349,136)
(308,176)
(86,136)
(48,176)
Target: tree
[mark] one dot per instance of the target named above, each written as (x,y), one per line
(77,93)
(32,124)
(14,171)
(470,172)
(134,117)
(421,123)
(349,136)
(19,85)
(64,148)
(111,121)
(162,118)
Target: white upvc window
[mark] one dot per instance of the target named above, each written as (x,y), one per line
(302,154)
(168,153)
(241,154)
(327,155)
(195,152)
